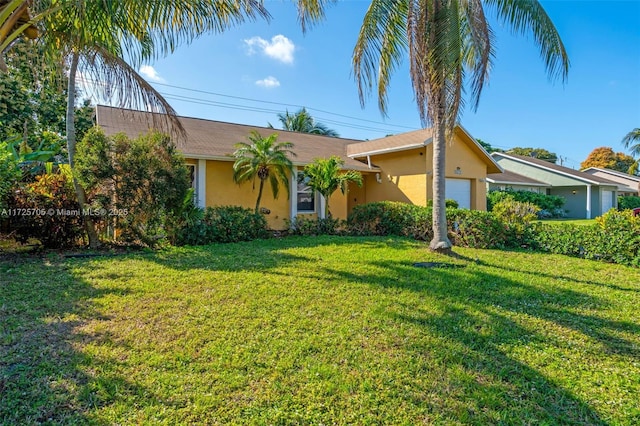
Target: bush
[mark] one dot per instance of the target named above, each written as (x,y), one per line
(516,218)
(226,224)
(615,237)
(474,228)
(313,226)
(385,218)
(549,205)
(448,203)
(628,203)
(48,211)
(9,174)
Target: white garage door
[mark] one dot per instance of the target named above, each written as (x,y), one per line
(459,190)
(607,201)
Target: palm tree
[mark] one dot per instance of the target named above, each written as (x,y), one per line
(265,159)
(448,43)
(303,122)
(632,142)
(324,176)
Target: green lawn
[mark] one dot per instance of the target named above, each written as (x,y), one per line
(319,331)
(569,221)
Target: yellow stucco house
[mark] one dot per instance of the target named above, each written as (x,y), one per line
(394,168)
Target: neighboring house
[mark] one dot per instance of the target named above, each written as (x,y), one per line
(627,184)
(395,168)
(586,195)
(510,181)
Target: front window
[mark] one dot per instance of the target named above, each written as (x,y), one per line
(306,196)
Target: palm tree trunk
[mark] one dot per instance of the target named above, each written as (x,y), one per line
(440,241)
(89,226)
(259,196)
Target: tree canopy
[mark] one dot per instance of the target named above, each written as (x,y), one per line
(324,175)
(604,157)
(303,122)
(539,153)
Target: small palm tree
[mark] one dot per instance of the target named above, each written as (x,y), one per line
(303,122)
(632,142)
(263,158)
(324,176)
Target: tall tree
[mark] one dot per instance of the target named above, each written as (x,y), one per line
(303,122)
(325,176)
(448,43)
(539,153)
(16,21)
(632,142)
(605,158)
(264,159)
(487,146)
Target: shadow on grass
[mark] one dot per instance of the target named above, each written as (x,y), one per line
(476,327)
(43,378)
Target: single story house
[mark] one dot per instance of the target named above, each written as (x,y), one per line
(627,184)
(511,181)
(394,168)
(586,195)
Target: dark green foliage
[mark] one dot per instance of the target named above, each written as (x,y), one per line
(387,218)
(629,202)
(226,224)
(517,219)
(47,210)
(550,205)
(448,203)
(314,226)
(539,153)
(478,229)
(9,173)
(142,182)
(615,237)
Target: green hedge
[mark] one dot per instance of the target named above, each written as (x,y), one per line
(226,224)
(629,202)
(615,237)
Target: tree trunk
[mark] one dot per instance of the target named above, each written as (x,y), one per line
(89,226)
(259,196)
(440,241)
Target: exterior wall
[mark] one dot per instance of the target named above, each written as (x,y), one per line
(223,191)
(402,178)
(575,204)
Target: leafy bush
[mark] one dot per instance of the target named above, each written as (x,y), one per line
(629,202)
(143,180)
(9,173)
(474,228)
(516,218)
(226,224)
(615,237)
(313,226)
(549,205)
(384,218)
(448,203)
(48,211)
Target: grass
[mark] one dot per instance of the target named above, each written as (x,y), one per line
(570,221)
(319,331)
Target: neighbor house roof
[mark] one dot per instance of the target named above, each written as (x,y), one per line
(417,139)
(613,173)
(216,140)
(623,180)
(554,168)
(511,178)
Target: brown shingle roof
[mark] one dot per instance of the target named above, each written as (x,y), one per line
(399,142)
(585,177)
(209,139)
(513,178)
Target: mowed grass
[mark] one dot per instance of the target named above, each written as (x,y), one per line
(319,331)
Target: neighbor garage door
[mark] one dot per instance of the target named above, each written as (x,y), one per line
(607,201)
(459,190)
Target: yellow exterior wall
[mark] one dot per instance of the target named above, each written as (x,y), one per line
(402,177)
(223,191)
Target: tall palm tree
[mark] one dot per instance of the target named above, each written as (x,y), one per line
(448,43)
(303,122)
(324,175)
(632,142)
(264,159)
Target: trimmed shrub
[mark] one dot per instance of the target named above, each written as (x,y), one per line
(448,203)
(516,218)
(384,218)
(226,224)
(615,237)
(314,226)
(628,203)
(549,205)
(474,228)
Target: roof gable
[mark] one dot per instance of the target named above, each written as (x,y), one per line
(554,168)
(590,170)
(416,139)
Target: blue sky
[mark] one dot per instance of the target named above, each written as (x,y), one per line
(251,72)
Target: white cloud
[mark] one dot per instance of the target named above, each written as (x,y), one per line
(150,73)
(279,48)
(268,82)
